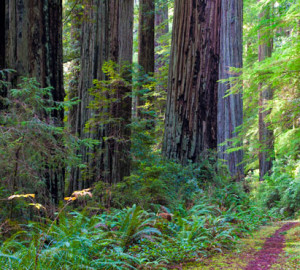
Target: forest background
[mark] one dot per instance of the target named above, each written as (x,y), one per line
(143,134)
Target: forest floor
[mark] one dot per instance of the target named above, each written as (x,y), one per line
(274,247)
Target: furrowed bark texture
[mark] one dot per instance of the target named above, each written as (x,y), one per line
(146,35)
(2,49)
(117,148)
(191,115)
(106,35)
(75,69)
(2,34)
(266,136)
(90,68)
(146,55)
(34,49)
(230,109)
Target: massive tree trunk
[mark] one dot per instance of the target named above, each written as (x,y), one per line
(191,116)
(94,53)
(34,49)
(266,136)
(230,108)
(107,34)
(117,149)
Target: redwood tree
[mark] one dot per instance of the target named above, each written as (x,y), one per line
(34,49)
(2,49)
(266,137)
(107,34)
(146,35)
(230,108)
(161,28)
(2,34)
(191,115)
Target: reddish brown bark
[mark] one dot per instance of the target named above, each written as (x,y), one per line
(2,34)
(146,35)
(34,49)
(146,55)
(2,51)
(117,149)
(191,115)
(230,109)
(107,34)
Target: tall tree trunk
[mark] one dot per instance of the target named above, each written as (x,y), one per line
(161,28)
(146,42)
(146,35)
(107,34)
(2,34)
(117,149)
(34,49)
(94,52)
(75,64)
(191,115)
(266,136)
(230,108)
(3,11)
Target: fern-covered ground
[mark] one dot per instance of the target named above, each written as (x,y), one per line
(260,251)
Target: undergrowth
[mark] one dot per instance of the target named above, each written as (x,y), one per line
(134,237)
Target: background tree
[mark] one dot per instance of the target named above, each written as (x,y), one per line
(146,35)
(107,35)
(266,137)
(161,28)
(191,114)
(34,49)
(72,45)
(146,55)
(2,48)
(230,108)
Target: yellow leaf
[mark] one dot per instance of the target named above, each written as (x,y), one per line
(37,205)
(21,196)
(70,198)
(30,195)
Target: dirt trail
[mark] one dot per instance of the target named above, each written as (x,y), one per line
(269,254)
(266,249)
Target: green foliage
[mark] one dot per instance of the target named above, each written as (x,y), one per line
(125,239)
(30,141)
(280,72)
(281,191)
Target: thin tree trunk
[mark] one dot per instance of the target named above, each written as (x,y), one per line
(230,108)
(75,69)
(34,49)
(146,35)
(146,55)
(191,115)
(266,136)
(2,50)
(2,34)
(161,28)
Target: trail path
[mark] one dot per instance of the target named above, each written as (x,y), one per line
(266,250)
(273,247)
